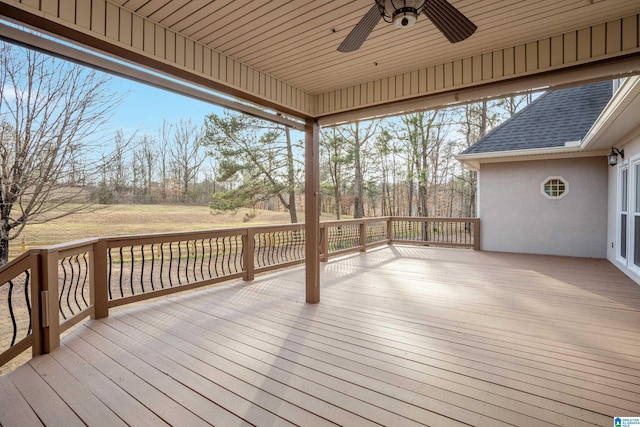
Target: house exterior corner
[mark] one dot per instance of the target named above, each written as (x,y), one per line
(518,216)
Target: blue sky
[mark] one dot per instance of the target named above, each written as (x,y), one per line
(145,107)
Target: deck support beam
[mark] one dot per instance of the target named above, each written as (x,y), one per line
(312,210)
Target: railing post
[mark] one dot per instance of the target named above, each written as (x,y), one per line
(99,289)
(390,230)
(363,236)
(248,240)
(476,234)
(324,243)
(36,307)
(49,321)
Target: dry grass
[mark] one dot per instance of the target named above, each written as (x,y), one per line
(139,219)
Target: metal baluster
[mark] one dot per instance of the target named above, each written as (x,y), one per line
(161,265)
(27,283)
(142,268)
(277,249)
(71,282)
(133,292)
(215,265)
(109,273)
(153,266)
(195,259)
(170,263)
(232,251)
(210,258)
(186,267)
(288,246)
(242,249)
(202,260)
(224,254)
(237,261)
(272,248)
(61,291)
(13,317)
(179,262)
(85,278)
(75,281)
(263,243)
(121,273)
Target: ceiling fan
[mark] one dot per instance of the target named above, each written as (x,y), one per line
(449,20)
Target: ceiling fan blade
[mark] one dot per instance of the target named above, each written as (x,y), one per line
(449,20)
(361,31)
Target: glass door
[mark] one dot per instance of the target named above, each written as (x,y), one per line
(636,216)
(622,227)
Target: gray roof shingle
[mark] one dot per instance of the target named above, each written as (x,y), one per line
(554,118)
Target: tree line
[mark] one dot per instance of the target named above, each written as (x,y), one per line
(58,155)
(167,167)
(400,166)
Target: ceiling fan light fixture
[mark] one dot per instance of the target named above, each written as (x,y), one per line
(405,17)
(403,13)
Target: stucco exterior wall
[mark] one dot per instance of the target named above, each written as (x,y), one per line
(516,217)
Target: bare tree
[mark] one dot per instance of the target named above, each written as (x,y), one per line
(338,157)
(147,157)
(187,154)
(163,157)
(49,110)
(360,136)
(117,176)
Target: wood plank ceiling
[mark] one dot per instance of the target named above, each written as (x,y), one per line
(296,41)
(282,54)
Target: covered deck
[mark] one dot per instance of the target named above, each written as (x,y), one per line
(403,336)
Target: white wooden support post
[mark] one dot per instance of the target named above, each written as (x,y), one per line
(312,210)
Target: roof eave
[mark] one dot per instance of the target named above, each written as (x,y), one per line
(618,121)
(474,160)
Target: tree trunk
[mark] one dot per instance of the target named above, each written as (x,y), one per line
(293,214)
(4,251)
(337,196)
(410,197)
(291,178)
(358,208)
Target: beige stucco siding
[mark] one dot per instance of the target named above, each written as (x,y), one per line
(517,217)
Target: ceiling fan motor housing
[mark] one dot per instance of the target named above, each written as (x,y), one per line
(403,13)
(405,17)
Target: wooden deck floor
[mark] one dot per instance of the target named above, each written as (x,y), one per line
(403,337)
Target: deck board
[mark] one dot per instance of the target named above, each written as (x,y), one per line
(402,336)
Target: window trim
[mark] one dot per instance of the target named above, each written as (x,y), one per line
(559,178)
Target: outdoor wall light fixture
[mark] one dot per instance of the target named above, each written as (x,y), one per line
(613,156)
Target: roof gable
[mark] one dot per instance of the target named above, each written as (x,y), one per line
(553,119)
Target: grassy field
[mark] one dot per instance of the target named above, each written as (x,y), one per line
(139,219)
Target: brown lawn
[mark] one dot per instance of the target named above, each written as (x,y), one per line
(140,219)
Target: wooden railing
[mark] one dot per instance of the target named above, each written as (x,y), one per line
(46,291)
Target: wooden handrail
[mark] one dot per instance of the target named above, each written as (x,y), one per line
(139,267)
